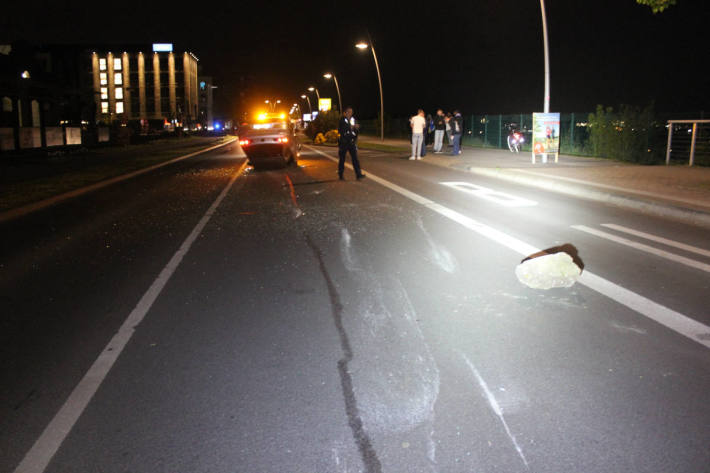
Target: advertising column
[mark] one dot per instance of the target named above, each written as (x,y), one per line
(546,135)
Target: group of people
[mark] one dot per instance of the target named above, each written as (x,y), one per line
(423,126)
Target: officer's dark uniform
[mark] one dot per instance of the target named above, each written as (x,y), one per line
(347,142)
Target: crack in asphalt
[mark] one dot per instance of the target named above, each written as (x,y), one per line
(364,444)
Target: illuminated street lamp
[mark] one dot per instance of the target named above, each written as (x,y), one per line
(310,109)
(362,46)
(311,89)
(328,75)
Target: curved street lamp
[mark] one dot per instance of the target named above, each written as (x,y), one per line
(311,89)
(362,46)
(310,109)
(328,75)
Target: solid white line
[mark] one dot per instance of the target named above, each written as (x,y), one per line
(676,321)
(665,241)
(495,406)
(648,249)
(41,453)
(29,208)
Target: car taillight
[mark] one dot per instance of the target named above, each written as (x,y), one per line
(283,139)
(244,142)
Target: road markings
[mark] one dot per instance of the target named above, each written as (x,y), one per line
(665,241)
(33,207)
(491,195)
(676,321)
(41,453)
(648,249)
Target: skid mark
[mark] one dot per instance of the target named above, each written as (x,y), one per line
(495,407)
(439,254)
(367,451)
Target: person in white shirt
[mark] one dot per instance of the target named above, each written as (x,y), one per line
(418,123)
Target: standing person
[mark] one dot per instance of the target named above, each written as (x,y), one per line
(439,129)
(418,124)
(427,131)
(456,130)
(348,130)
(449,133)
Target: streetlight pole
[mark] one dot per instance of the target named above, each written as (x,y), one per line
(379,80)
(337,88)
(311,89)
(547,58)
(310,109)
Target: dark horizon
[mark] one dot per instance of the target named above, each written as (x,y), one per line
(485,59)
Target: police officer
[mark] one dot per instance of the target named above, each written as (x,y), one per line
(348,130)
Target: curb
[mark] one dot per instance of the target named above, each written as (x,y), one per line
(42,204)
(685,215)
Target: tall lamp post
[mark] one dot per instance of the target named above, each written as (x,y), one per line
(311,89)
(328,75)
(310,109)
(547,58)
(363,46)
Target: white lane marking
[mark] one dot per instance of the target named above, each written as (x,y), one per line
(41,453)
(29,208)
(648,249)
(496,407)
(491,195)
(676,321)
(665,241)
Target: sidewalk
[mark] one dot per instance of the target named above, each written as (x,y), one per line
(678,192)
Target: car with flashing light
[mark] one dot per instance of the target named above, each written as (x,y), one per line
(269,140)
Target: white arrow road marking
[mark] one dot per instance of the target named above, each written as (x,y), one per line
(491,195)
(675,321)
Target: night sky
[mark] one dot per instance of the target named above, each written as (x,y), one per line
(478,56)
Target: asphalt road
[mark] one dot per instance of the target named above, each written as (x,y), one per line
(284,321)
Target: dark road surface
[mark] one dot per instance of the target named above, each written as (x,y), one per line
(313,325)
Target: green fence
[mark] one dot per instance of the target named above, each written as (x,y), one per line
(491,131)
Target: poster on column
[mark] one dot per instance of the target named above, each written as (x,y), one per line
(546,135)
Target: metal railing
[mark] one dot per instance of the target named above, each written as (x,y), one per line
(698,135)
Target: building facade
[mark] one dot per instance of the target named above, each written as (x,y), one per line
(206,98)
(152,84)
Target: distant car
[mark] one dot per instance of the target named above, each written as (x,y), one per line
(269,141)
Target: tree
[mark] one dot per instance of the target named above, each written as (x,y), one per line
(657,5)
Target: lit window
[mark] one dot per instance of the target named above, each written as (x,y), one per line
(104,78)
(104,107)
(102,64)
(119,92)
(119,107)
(118,78)
(117,64)
(104,93)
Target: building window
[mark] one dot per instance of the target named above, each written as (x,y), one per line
(104,78)
(119,107)
(6,104)
(104,107)
(104,93)
(119,93)
(118,78)
(117,64)
(102,64)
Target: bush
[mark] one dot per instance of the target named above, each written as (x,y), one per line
(332,136)
(626,135)
(324,122)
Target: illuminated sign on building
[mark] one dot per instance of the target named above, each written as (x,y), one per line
(163,47)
